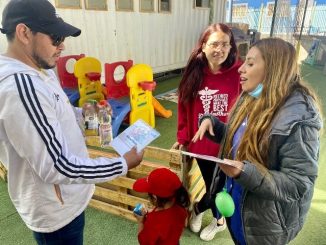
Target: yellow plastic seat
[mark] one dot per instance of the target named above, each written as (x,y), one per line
(88,72)
(140,81)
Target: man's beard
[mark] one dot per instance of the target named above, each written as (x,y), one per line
(41,63)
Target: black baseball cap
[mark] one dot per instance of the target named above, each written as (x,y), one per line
(39,15)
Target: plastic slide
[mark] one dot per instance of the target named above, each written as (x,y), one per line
(160,110)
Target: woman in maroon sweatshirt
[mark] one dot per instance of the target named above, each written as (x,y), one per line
(210,85)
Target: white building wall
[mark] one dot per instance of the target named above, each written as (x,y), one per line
(162,40)
(219,11)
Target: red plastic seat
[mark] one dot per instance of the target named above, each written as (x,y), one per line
(148,85)
(67,79)
(116,89)
(93,76)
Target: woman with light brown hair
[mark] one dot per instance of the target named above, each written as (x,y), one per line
(272,137)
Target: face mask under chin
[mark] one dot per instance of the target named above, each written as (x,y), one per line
(257,91)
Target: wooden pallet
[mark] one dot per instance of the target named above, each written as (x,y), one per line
(117,196)
(3,172)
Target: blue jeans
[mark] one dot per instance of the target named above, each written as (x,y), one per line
(67,235)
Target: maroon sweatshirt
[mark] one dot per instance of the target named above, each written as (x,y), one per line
(216,96)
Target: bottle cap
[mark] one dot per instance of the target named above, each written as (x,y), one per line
(103,102)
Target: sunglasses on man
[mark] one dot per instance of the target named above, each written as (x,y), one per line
(56,40)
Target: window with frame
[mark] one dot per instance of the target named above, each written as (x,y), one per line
(146,5)
(202,3)
(68,4)
(96,4)
(124,5)
(164,5)
(239,10)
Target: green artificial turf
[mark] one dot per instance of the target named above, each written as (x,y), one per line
(102,228)
(166,127)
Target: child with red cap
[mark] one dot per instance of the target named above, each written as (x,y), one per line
(165,223)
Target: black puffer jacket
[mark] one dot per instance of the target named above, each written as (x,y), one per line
(275,204)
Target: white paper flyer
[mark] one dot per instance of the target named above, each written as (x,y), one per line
(139,134)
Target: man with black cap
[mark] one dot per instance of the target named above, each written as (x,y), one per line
(50,175)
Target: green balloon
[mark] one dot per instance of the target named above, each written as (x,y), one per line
(224,203)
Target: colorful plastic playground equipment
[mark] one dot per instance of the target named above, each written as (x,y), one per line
(131,95)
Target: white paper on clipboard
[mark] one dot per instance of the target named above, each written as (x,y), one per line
(209,158)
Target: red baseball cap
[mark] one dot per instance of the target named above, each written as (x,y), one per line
(161,182)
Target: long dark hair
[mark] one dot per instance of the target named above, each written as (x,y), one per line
(194,71)
(181,197)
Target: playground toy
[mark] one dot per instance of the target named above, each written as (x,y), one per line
(141,84)
(120,109)
(116,88)
(67,79)
(88,73)
(119,89)
(85,84)
(117,93)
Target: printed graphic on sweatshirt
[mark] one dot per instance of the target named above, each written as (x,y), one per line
(213,102)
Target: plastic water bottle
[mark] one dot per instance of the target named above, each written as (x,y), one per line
(91,120)
(138,209)
(105,127)
(80,119)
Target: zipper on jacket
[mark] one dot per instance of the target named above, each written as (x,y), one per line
(58,193)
